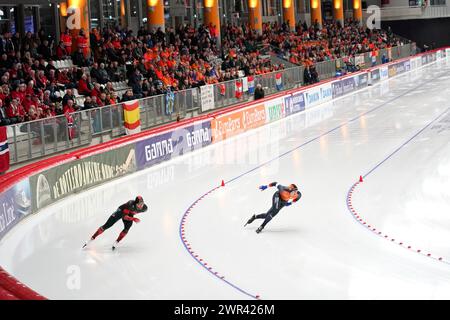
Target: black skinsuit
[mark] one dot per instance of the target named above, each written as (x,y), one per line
(277,205)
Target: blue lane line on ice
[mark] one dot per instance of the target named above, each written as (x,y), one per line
(280,156)
(198,260)
(352,188)
(404,144)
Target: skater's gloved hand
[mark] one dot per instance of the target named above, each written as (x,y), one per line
(273,184)
(288,204)
(137,220)
(263,188)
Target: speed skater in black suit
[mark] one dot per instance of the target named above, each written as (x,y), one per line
(281,198)
(125,212)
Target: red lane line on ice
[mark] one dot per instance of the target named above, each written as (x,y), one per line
(358,217)
(197,257)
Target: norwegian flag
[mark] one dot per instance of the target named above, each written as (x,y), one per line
(4,150)
(279,81)
(251,84)
(238,89)
(222,89)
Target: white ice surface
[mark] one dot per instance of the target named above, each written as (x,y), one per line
(314,249)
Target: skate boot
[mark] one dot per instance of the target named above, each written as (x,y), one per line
(253,217)
(114,246)
(86,243)
(259,229)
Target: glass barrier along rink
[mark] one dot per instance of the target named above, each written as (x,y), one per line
(44,137)
(40,138)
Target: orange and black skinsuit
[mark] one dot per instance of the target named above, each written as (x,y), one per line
(125,212)
(280,199)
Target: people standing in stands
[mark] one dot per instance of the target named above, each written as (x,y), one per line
(66,39)
(82,43)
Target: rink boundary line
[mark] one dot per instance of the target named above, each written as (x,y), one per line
(196,257)
(358,217)
(185,216)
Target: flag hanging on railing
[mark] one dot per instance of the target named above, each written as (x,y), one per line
(170,102)
(238,88)
(4,150)
(222,89)
(132,117)
(279,81)
(251,84)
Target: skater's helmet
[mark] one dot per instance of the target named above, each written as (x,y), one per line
(139,201)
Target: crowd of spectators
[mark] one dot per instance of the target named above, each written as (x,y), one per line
(309,45)
(154,62)
(29,81)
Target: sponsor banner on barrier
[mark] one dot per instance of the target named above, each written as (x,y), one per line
(253,117)
(207,97)
(317,95)
(361,80)
(402,67)
(295,103)
(438,54)
(348,84)
(407,65)
(375,75)
(15,204)
(76,176)
(416,63)
(343,86)
(432,57)
(326,92)
(166,146)
(424,60)
(337,89)
(313,97)
(392,70)
(275,110)
(447,52)
(384,72)
(226,126)
(231,124)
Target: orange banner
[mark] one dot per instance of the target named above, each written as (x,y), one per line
(231,124)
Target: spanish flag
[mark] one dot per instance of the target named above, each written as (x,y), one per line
(132,117)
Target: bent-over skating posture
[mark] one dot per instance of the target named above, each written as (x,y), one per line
(280,199)
(125,212)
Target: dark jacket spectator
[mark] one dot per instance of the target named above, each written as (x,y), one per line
(259,92)
(128,96)
(307,76)
(4,120)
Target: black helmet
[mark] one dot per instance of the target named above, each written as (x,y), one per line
(139,199)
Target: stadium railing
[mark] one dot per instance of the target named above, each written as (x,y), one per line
(40,138)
